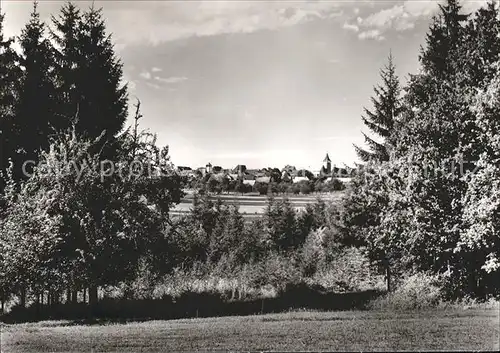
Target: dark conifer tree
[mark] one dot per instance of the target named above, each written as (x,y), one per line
(67,62)
(444,41)
(9,77)
(35,112)
(104,98)
(381,120)
(90,75)
(482,45)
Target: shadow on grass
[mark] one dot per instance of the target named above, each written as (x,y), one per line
(192,305)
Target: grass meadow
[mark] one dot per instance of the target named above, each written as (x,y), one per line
(434,330)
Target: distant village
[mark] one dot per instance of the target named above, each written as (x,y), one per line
(289,174)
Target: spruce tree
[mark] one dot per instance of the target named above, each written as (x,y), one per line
(90,72)
(35,118)
(444,41)
(104,97)
(482,45)
(67,62)
(9,77)
(382,119)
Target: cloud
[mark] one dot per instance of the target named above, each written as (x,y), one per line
(153,85)
(158,79)
(371,34)
(171,80)
(155,22)
(404,16)
(162,21)
(384,18)
(350,27)
(421,8)
(400,17)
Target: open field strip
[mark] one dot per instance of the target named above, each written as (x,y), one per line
(255,196)
(451,329)
(255,204)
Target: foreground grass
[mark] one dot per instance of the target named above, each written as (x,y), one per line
(450,329)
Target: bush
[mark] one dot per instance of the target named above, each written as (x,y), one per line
(294,189)
(418,291)
(313,253)
(261,188)
(336,185)
(306,188)
(277,271)
(346,270)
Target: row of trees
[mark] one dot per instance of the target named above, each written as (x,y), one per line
(427,200)
(219,184)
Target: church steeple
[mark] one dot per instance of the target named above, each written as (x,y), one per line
(327,164)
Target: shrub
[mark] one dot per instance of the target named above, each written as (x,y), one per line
(261,188)
(294,189)
(336,185)
(313,253)
(276,270)
(346,270)
(418,291)
(305,188)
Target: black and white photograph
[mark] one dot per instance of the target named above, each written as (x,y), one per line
(249,175)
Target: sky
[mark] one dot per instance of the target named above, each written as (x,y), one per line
(260,83)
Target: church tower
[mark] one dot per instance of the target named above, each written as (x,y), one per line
(327,165)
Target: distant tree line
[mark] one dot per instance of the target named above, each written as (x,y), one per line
(223,184)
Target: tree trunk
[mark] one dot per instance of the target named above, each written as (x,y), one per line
(38,304)
(74,296)
(57,296)
(23,297)
(68,295)
(388,276)
(93,298)
(53,297)
(3,305)
(84,295)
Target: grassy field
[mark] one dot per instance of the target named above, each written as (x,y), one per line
(451,329)
(254,204)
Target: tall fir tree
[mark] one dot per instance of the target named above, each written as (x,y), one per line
(104,97)
(35,111)
(90,72)
(481,48)
(382,119)
(67,62)
(444,41)
(9,77)
(441,58)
